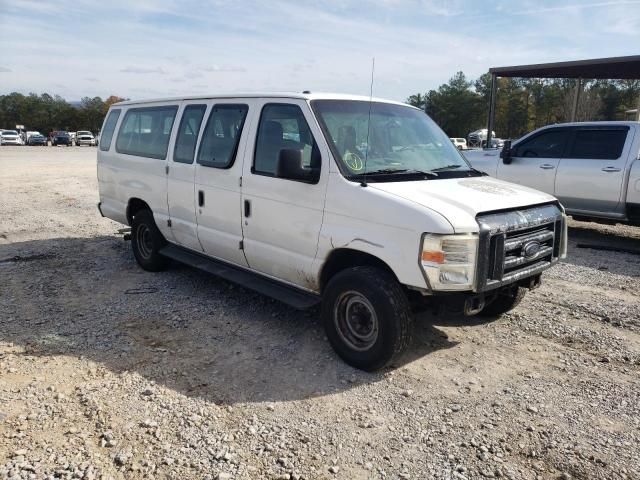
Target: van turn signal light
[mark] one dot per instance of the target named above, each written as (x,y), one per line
(433,256)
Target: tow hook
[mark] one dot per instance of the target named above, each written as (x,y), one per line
(473,305)
(126,233)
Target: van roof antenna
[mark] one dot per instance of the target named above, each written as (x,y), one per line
(366,153)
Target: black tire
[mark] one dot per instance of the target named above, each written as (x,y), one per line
(374,300)
(504,302)
(147,241)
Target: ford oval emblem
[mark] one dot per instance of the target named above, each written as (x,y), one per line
(530,248)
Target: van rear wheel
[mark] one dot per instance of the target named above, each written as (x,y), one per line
(147,241)
(366,317)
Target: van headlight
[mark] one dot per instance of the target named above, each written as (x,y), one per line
(449,261)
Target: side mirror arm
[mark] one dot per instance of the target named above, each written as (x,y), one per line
(506,153)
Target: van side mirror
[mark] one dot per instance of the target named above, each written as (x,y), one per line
(290,167)
(506,152)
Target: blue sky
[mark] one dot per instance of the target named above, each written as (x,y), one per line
(151,48)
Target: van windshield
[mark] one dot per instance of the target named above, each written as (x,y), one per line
(399,141)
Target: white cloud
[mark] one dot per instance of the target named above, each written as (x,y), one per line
(224,68)
(143,70)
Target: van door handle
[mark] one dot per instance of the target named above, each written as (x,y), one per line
(247,208)
(200,198)
(547,166)
(611,169)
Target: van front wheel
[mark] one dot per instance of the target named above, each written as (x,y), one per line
(366,317)
(147,241)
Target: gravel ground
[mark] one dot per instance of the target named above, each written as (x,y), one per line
(111,372)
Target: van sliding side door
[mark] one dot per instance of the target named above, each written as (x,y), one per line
(217,183)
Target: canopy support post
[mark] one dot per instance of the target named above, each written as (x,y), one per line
(492,110)
(576,100)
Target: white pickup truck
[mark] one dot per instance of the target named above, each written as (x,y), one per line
(593,168)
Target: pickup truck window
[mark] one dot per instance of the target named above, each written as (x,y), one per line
(107,131)
(145,132)
(221,135)
(188,131)
(387,142)
(547,144)
(283,126)
(601,144)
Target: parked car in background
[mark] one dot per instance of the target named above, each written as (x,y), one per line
(478,138)
(495,143)
(273,192)
(30,133)
(84,137)
(37,139)
(61,138)
(11,137)
(460,143)
(593,168)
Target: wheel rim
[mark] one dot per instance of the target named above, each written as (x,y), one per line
(144,241)
(356,321)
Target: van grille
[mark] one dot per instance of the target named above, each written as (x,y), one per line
(518,244)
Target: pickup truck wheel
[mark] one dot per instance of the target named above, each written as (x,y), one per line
(366,317)
(504,302)
(146,241)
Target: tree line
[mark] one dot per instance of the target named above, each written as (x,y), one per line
(461,106)
(46,113)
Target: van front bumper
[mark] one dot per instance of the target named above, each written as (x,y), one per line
(468,303)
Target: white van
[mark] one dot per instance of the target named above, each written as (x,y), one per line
(362,205)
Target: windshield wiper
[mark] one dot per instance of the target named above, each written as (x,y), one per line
(453,167)
(447,167)
(406,171)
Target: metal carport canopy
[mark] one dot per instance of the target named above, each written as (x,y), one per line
(611,68)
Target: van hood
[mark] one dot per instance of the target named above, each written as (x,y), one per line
(459,200)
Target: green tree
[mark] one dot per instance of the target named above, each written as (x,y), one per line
(92,113)
(455,106)
(417,100)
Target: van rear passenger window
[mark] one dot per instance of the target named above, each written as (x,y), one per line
(221,135)
(145,132)
(107,131)
(187,138)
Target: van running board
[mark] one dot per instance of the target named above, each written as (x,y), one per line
(292,296)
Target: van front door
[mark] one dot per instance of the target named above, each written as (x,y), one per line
(181,176)
(282,218)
